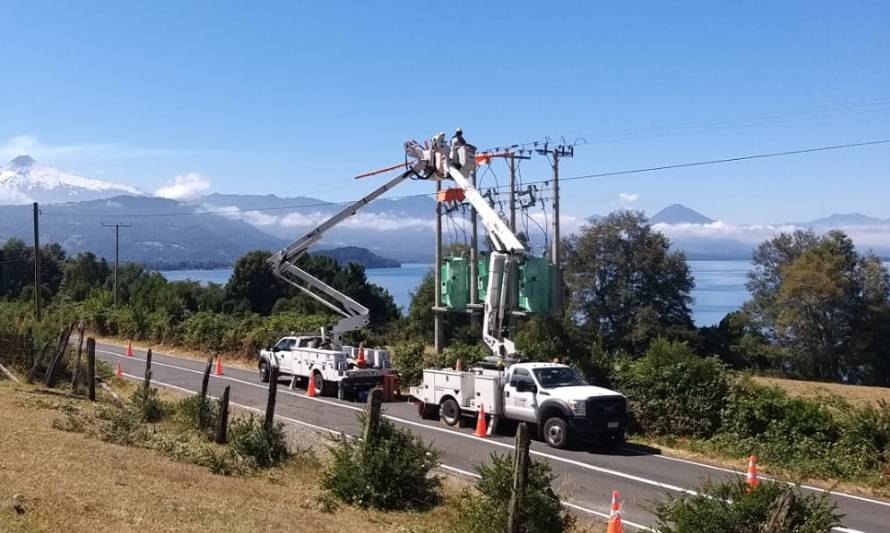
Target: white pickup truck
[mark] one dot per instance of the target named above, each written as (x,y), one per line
(330,371)
(553,396)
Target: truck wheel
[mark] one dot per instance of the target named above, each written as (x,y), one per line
(449,411)
(556,432)
(264,371)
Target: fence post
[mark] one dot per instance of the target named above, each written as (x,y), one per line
(91,368)
(375,402)
(206,379)
(76,377)
(146,385)
(222,427)
(273,391)
(520,476)
(779,514)
(53,369)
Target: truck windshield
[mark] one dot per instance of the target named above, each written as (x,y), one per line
(551,378)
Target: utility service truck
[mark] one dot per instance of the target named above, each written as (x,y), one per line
(550,395)
(342,371)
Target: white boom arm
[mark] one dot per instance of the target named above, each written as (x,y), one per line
(457,162)
(355,315)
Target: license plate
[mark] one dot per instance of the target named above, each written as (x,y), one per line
(611,425)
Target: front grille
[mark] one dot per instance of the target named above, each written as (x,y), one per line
(606,407)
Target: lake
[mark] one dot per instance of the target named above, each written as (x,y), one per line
(719,285)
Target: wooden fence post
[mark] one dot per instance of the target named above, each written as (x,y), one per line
(273,391)
(781,508)
(375,402)
(146,385)
(222,427)
(206,379)
(91,368)
(52,371)
(76,377)
(520,476)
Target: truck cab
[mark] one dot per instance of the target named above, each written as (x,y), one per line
(562,404)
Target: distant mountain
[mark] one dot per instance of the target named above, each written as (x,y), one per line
(23,180)
(362,256)
(679,214)
(400,228)
(170,231)
(849,219)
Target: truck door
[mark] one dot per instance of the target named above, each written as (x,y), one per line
(520,401)
(284,355)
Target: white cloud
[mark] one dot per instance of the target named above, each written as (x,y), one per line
(873,235)
(184,187)
(13,197)
(39,150)
(627,198)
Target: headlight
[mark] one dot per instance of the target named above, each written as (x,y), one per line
(578,407)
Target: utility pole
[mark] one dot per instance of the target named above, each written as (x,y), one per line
(117,248)
(437,275)
(512,193)
(474,257)
(556,154)
(36,262)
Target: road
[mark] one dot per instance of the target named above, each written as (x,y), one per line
(586,478)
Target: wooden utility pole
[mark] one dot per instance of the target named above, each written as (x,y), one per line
(36,262)
(520,477)
(117,248)
(474,256)
(512,159)
(555,155)
(438,317)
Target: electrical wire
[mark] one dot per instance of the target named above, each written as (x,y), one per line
(642,170)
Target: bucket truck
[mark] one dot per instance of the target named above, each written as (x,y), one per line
(551,395)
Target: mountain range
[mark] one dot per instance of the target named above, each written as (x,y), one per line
(221,227)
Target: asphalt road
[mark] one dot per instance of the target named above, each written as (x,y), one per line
(586,477)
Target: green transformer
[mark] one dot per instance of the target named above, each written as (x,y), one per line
(454,288)
(536,285)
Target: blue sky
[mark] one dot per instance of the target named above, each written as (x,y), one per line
(295,98)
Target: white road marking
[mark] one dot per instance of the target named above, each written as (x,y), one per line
(500,444)
(335,432)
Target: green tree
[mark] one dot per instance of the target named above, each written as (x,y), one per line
(625,284)
(823,305)
(253,286)
(83,273)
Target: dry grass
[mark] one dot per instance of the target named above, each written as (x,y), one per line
(71,482)
(855,394)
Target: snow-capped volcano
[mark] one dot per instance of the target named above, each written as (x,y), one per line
(23,180)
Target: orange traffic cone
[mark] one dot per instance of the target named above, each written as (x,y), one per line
(360,358)
(218,365)
(481,429)
(129,348)
(615,515)
(751,478)
(310,389)
(457,365)
(118,373)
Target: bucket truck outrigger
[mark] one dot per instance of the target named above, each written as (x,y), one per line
(551,395)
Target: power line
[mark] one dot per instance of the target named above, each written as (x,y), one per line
(766,155)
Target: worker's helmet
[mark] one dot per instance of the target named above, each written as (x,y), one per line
(459,131)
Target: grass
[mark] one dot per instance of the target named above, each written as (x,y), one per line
(67,480)
(855,394)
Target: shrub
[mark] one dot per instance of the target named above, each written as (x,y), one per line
(672,391)
(486,511)
(408,358)
(251,441)
(147,405)
(729,508)
(121,427)
(469,354)
(390,472)
(198,412)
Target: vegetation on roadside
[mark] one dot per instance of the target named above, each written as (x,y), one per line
(390,470)
(484,508)
(730,507)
